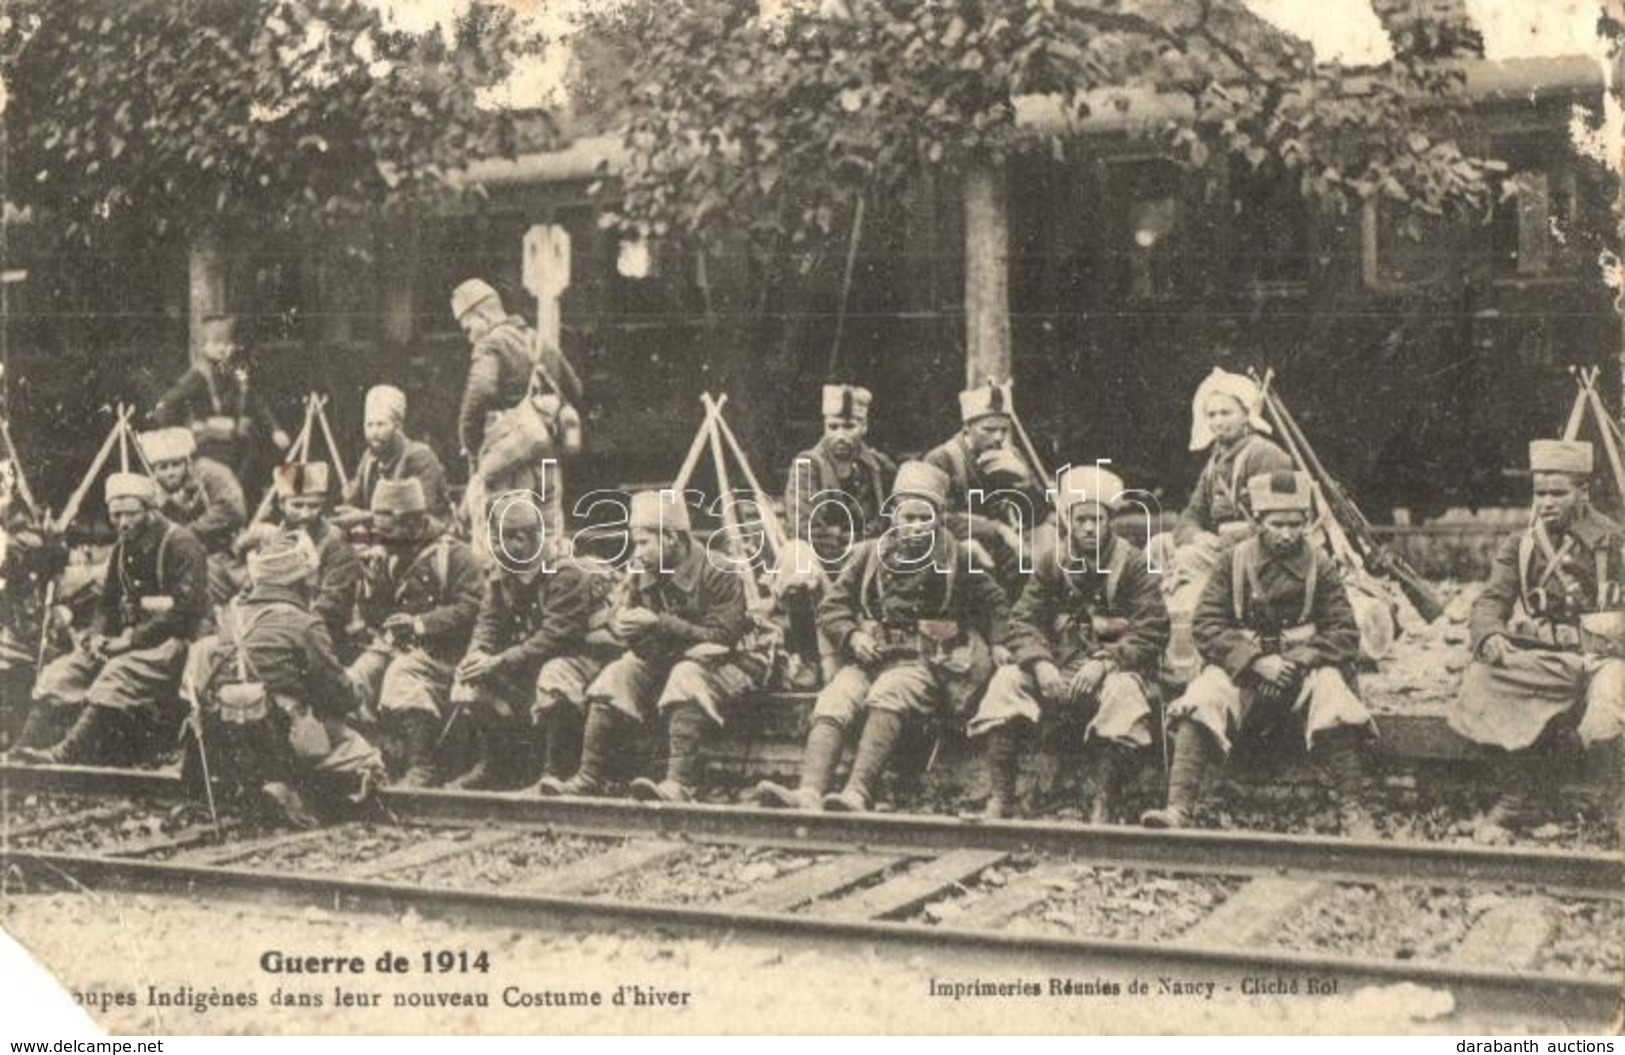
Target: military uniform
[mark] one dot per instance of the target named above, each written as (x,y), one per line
(209,503)
(213,401)
(1107,608)
(412,458)
(156,589)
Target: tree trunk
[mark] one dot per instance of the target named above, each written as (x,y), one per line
(987,274)
(207,282)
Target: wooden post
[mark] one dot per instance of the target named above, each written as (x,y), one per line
(547,275)
(206,283)
(987,274)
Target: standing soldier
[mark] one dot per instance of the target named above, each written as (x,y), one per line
(392,455)
(1086,639)
(153,598)
(214,401)
(1279,639)
(836,499)
(994,498)
(535,651)
(1548,639)
(420,592)
(200,495)
(274,696)
(685,620)
(913,617)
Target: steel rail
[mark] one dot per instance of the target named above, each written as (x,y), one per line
(1564,872)
(1574,1001)
(90,780)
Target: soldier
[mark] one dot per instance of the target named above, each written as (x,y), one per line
(685,620)
(835,499)
(127,667)
(1279,638)
(200,495)
(1548,639)
(214,401)
(539,641)
(913,617)
(994,498)
(274,696)
(302,488)
(391,455)
(1227,415)
(508,365)
(1086,638)
(420,593)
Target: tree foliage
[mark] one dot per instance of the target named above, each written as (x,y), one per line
(190,116)
(782,118)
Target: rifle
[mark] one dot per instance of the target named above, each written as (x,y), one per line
(1379,559)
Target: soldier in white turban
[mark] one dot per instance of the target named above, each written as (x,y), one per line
(199,494)
(391,455)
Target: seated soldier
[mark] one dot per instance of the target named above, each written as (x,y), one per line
(1086,637)
(913,617)
(1279,639)
(200,495)
(301,491)
(834,500)
(420,592)
(273,695)
(533,654)
(391,455)
(124,671)
(1548,639)
(684,618)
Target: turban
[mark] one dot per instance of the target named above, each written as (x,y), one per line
(285,560)
(1081,484)
(470,295)
(132,485)
(167,445)
(985,400)
(385,401)
(399,496)
(301,478)
(847,402)
(1561,456)
(1279,492)
(921,480)
(1223,383)
(658,511)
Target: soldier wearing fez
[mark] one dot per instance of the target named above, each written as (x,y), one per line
(1548,639)
(915,622)
(1279,642)
(1086,638)
(684,619)
(200,495)
(301,491)
(540,639)
(127,667)
(835,499)
(420,592)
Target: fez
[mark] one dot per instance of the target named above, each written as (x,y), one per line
(985,401)
(1240,388)
(658,511)
(1086,484)
(287,559)
(921,480)
(132,485)
(167,445)
(1279,492)
(847,402)
(301,478)
(470,295)
(385,401)
(1561,456)
(399,496)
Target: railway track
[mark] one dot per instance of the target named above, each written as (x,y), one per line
(1222,907)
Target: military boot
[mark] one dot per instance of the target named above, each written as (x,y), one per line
(419,730)
(486,772)
(1340,756)
(559,737)
(881,730)
(287,806)
(1003,766)
(602,740)
(1195,751)
(41,729)
(1516,805)
(823,754)
(85,741)
(1105,769)
(686,729)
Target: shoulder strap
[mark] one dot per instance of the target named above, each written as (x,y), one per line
(1309,583)
(1243,567)
(1116,566)
(1238,465)
(163,549)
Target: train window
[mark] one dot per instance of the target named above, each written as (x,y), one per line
(1150,245)
(1531,221)
(1272,233)
(1398,251)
